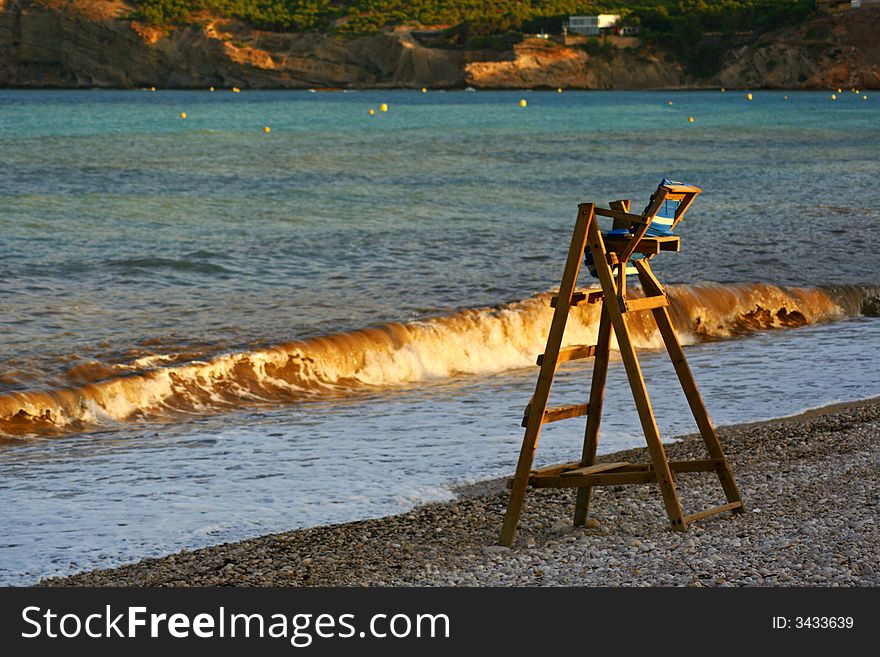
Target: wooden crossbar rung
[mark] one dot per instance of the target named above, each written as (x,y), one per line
(613,478)
(693,465)
(591,296)
(568,475)
(698,465)
(564,412)
(644,472)
(732,506)
(593,469)
(620,215)
(576,298)
(646,303)
(556,469)
(566,469)
(556,414)
(549,470)
(574,352)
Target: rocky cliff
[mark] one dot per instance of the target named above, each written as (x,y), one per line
(94,43)
(537,63)
(828,51)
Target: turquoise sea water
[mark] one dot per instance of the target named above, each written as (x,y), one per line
(133,242)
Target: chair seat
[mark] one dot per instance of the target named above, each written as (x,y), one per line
(646,245)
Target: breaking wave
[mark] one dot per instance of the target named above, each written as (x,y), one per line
(475,341)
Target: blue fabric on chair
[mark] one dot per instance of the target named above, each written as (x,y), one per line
(591,266)
(663,220)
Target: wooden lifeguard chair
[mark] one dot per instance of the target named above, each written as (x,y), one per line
(626,249)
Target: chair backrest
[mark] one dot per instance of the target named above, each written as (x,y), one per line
(674,199)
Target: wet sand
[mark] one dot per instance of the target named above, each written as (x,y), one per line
(810,484)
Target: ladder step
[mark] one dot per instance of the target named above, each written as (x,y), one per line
(593,469)
(564,412)
(563,469)
(555,469)
(557,413)
(617,477)
(572,353)
(711,512)
(700,465)
(646,303)
(563,475)
(579,297)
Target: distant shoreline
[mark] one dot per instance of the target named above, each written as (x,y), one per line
(706,88)
(87,44)
(807,480)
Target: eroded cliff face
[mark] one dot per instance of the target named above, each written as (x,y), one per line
(94,43)
(828,51)
(537,63)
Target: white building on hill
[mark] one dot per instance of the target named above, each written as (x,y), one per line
(592,25)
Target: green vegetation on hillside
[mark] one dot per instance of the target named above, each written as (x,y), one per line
(364,16)
(304,15)
(698,32)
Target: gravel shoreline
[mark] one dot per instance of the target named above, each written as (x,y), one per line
(810,484)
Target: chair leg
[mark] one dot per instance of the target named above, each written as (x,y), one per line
(594,412)
(585,218)
(689,385)
(637,384)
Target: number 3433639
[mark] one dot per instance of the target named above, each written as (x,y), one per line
(813,623)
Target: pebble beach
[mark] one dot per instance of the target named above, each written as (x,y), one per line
(810,484)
